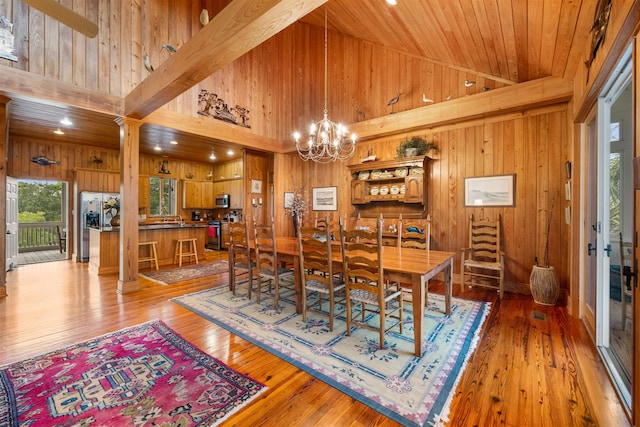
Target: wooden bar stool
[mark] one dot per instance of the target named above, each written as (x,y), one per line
(180,253)
(152,257)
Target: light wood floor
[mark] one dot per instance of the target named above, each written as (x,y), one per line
(526,371)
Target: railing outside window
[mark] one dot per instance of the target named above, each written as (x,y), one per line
(38,236)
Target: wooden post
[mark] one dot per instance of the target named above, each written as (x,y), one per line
(129,177)
(4,138)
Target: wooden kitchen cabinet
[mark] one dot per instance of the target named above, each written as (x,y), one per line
(208,200)
(224,234)
(191,195)
(236,194)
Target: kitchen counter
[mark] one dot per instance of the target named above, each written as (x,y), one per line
(104,244)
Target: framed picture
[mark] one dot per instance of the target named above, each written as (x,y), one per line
(496,190)
(325,199)
(288,200)
(256,186)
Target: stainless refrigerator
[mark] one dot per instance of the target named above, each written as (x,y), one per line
(92,215)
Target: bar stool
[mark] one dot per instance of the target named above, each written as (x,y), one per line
(193,252)
(152,258)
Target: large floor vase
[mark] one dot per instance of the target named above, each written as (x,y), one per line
(545,287)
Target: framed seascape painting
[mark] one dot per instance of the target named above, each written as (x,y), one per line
(325,199)
(496,190)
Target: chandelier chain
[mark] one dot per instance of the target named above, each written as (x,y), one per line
(327,141)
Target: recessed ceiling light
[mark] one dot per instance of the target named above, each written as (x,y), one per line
(392,2)
(157,148)
(58,132)
(230,152)
(173,142)
(66,121)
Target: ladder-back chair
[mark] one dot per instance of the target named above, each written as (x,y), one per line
(364,280)
(318,277)
(483,260)
(241,266)
(269,270)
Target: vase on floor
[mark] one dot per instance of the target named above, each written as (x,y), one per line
(544,285)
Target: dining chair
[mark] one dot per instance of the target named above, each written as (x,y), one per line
(482,261)
(269,269)
(62,238)
(241,266)
(414,234)
(317,273)
(364,281)
(626,274)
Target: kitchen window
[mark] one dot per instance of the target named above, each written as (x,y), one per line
(162,196)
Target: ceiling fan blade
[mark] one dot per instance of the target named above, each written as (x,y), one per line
(64,15)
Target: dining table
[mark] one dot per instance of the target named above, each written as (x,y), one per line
(403,265)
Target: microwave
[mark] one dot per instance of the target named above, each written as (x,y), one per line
(222,201)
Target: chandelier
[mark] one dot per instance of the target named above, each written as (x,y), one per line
(327,141)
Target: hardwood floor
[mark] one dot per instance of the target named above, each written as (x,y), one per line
(534,365)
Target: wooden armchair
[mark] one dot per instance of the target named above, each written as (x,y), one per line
(483,260)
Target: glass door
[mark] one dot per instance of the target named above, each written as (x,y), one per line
(614,223)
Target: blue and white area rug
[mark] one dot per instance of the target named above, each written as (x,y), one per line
(410,390)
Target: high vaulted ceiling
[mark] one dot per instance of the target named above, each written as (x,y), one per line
(511,42)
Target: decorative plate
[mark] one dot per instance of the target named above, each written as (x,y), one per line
(403,189)
(401,171)
(376,174)
(416,171)
(384,190)
(395,189)
(374,191)
(363,175)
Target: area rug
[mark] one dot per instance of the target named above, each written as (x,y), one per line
(410,390)
(140,376)
(188,272)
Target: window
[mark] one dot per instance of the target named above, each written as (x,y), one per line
(162,198)
(614,132)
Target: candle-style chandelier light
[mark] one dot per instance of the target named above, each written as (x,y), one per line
(327,141)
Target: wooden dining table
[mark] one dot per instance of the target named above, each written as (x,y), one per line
(403,265)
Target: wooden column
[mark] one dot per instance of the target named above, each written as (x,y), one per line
(129,176)
(4,139)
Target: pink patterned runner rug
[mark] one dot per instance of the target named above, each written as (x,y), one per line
(143,375)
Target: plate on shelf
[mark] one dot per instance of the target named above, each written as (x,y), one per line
(395,189)
(403,189)
(376,174)
(363,175)
(384,190)
(401,171)
(416,171)
(374,191)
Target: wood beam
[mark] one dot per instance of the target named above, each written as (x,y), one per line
(24,85)
(215,129)
(238,28)
(535,93)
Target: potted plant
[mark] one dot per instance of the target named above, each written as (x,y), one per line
(415,146)
(545,287)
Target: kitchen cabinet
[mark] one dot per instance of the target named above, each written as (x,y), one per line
(224,234)
(236,194)
(198,195)
(143,193)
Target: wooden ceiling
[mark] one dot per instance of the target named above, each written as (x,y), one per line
(507,41)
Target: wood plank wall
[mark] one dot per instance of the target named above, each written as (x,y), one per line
(533,145)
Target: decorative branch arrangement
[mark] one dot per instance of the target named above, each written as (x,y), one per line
(211,105)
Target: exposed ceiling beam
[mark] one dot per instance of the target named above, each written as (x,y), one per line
(238,28)
(534,93)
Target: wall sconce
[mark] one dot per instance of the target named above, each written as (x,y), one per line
(256,201)
(163,167)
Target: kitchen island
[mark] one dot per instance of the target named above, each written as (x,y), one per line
(104,244)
